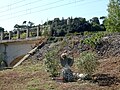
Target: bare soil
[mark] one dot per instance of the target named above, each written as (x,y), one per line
(31,75)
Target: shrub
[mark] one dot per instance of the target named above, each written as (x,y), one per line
(94,38)
(23,35)
(14,37)
(52,62)
(87,62)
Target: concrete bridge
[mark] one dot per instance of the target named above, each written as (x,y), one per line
(14,50)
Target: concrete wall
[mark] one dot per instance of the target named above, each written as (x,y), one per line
(13,50)
(2,48)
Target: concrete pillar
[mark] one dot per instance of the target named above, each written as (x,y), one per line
(49,30)
(38,31)
(68,21)
(27,33)
(18,34)
(2,35)
(10,35)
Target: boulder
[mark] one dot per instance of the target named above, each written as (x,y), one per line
(67,75)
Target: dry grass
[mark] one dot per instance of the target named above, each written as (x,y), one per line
(31,75)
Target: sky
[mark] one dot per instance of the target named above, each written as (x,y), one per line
(38,11)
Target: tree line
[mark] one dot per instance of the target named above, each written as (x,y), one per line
(74,25)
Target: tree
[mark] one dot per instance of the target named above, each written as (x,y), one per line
(30,24)
(95,20)
(17,26)
(24,22)
(1,29)
(112,23)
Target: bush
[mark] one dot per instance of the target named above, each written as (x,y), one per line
(14,37)
(87,62)
(94,38)
(52,62)
(23,36)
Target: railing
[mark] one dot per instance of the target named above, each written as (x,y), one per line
(38,30)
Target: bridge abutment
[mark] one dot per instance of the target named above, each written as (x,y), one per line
(2,35)
(14,50)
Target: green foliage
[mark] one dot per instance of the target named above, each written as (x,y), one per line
(86,33)
(73,25)
(14,36)
(23,35)
(54,39)
(1,29)
(52,62)
(46,31)
(112,23)
(94,38)
(95,20)
(67,43)
(87,62)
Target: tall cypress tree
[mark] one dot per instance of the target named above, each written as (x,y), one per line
(113,21)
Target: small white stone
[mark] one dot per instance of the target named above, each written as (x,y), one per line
(77,74)
(79,79)
(81,75)
(74,74)
(105,38)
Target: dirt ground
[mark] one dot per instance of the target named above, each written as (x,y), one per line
(31,75)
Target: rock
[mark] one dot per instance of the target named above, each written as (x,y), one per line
(105,38)
(109,46)
(84,76)
(67,75)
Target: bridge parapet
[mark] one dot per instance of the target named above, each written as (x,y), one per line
(24,33)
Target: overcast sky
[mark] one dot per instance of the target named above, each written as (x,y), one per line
(38,11)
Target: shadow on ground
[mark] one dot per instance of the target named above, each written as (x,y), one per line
(105,79)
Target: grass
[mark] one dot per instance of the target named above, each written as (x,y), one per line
(26,76)
(31,75)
